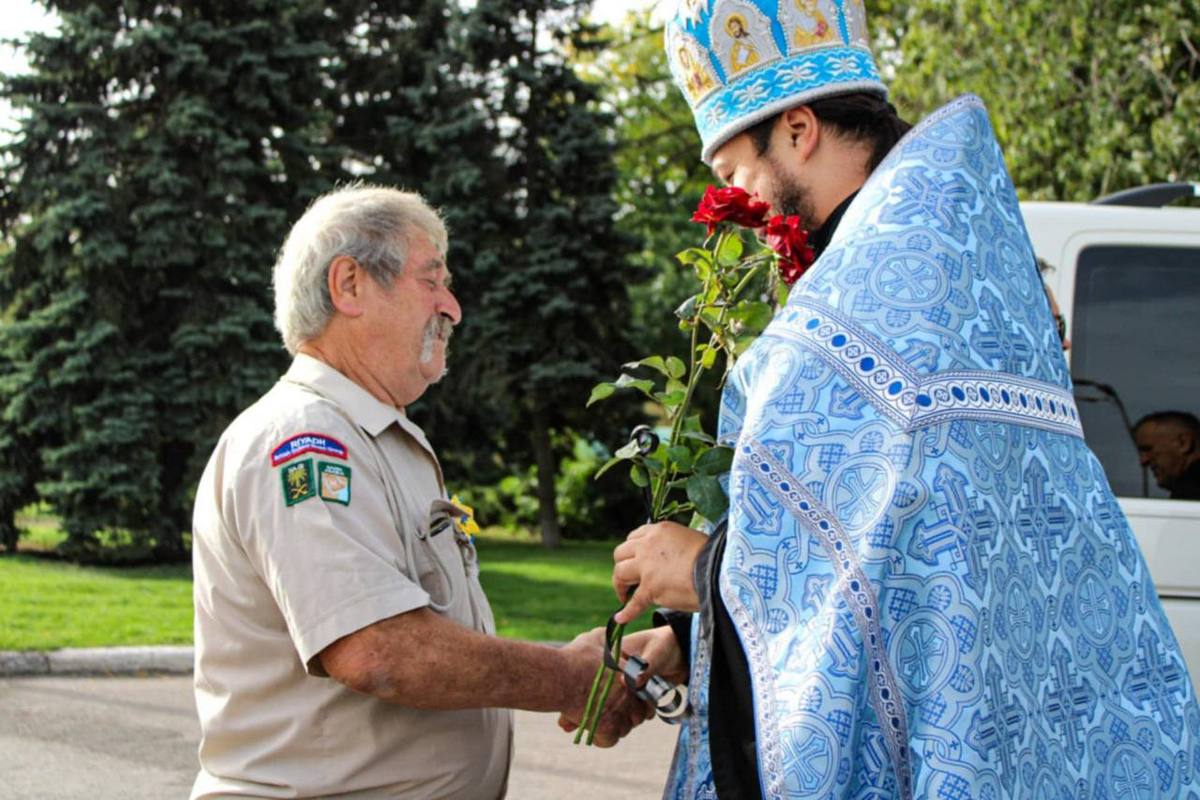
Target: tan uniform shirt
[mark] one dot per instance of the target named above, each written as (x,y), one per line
(321,512)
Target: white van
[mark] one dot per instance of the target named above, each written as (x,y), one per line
(1126,272)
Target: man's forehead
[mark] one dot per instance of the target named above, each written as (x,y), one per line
(433,265)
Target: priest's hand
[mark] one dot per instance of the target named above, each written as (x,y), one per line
(659,560)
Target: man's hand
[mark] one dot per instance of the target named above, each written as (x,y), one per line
(659,648)
(659,560)
(623,711)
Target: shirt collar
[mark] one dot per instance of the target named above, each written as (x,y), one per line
(368,413)
(823,235)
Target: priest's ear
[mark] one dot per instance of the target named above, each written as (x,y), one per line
(801,131)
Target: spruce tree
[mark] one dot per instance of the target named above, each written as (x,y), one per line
(411,114)
(549,314)
(165,148)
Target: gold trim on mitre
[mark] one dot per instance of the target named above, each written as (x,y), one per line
(809,23)
(740,37)
(690,66)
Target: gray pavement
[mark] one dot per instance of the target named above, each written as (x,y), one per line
(129,738)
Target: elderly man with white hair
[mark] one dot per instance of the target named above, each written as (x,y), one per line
(344,645)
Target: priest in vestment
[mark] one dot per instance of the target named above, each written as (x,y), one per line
(924,586)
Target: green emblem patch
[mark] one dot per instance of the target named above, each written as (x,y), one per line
(335,482)
(298,483)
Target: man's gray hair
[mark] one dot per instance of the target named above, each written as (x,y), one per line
(373,225)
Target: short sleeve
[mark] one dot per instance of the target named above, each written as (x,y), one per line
(313,518)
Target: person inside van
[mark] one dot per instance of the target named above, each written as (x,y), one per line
(1169,443)
(1060,322)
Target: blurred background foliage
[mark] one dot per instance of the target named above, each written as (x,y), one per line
(163,148)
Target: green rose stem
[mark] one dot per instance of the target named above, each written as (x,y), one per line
(602,683)
(615,650)
(593,709)
(697,371)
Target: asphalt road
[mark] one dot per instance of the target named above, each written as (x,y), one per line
(135,738)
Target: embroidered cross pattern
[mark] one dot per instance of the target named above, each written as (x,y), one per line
(1002,729)
(923,196)
(1000,342)
(1096,611)
(1107,516)
(909,280)
(1068,705)
(813,757)
(962,529)
(1156,684)
(1129,776)
(1042,523)
(922,654)
(860,492)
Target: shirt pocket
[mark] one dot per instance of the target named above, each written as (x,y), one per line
(437,561)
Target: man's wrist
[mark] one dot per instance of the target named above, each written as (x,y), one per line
(572,692)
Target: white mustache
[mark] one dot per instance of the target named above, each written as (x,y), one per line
(438,328)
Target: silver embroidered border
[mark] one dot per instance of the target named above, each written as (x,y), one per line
(763,685)
(697,733)
(858,593)
(912,401)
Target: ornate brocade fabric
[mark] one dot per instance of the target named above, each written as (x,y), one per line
(936,591)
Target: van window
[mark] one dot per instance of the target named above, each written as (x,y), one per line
(1135,343)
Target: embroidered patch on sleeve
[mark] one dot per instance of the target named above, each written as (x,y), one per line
(335,482)
(303,443)
(298,484)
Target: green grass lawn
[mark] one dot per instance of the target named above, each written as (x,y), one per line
(46,604)
(542,595)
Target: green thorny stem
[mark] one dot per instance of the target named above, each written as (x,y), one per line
(593,709)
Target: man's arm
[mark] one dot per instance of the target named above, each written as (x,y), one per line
(422,660)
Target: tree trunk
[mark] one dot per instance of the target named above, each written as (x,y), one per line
(546,471)
(174,517)
(8,532)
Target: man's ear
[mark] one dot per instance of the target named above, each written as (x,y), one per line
(347,283)
(801,131)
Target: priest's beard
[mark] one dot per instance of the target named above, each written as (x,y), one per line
(793,199)
(438,328)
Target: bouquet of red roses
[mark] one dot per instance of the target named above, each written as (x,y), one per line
(740,288)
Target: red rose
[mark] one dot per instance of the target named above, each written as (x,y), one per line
(730,204)
(790,241)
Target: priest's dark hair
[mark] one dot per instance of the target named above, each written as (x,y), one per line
(858,116)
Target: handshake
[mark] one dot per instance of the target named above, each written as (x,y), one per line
(653,566)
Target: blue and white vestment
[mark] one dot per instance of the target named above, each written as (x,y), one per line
(935,589)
